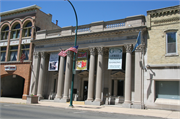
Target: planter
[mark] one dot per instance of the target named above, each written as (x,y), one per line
(32,99)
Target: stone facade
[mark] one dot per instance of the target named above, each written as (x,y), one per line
(162,79)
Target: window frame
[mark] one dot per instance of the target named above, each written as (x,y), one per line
(25,49)
(28,30)
(11,50)
(176,52)
(16,30)
(4,51)
(5,32)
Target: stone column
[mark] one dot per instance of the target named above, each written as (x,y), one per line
(60,79)
(41,75)
(67,77)
(138,79)
(91,75)
(127,99)
(35,73)
(115,87)
(99,76)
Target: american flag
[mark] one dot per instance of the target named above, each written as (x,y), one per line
(74,49)
(62,53)
(23,56)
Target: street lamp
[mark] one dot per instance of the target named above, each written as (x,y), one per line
(74,57)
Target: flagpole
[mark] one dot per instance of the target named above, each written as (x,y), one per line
(74,57)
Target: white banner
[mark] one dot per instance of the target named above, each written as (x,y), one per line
(53,61)
(115,58)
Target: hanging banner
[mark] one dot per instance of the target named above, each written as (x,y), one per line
(115,58)
(53,61)
(81,63)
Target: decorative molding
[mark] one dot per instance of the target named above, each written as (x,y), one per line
(128,48)
(174,19)
(140,48)
(92,51)
(43,55)
(100,50)
(36,54)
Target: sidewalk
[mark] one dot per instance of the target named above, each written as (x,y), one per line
(104,108)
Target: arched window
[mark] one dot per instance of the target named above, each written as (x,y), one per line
(16,31)
(4,33)
(27,29)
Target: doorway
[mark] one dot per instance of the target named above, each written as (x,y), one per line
(85,90)
(12,86)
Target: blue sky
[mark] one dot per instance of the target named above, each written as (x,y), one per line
(89,10)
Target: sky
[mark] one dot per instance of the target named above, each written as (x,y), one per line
(89,11)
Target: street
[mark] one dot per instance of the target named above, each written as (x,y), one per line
(16,111)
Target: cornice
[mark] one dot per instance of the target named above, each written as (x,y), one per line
(70,38)
(164,11)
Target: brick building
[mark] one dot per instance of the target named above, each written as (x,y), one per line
(18,28)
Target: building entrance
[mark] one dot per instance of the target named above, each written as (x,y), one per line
(85,90)
(12,86)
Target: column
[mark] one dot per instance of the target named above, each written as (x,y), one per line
(99,76)
(127,98)
(60,79)
(41,75)
(67,77)
(138,79)
(34,73)
(115,87)
(19,46)
(91,75)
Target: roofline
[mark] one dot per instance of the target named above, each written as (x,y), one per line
(20,9)
(163,8)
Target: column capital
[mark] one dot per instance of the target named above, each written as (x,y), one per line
(106,52)
(128,47)
(69,53)
(100,50)
(43,54)
(92,51)
(36,54)
(140,48)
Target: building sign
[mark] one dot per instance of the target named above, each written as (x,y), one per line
(14,42)
(115,58)
(10,68)
(26,41)
(81,63)
(3,43)
(53,61)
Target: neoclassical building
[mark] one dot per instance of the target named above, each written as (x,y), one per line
(18,27)
(107,78)
(162,77)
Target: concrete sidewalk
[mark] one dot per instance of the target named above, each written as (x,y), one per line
(104,108)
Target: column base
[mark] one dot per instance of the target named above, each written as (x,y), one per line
(40,97)
(88,102)
(63,100)
(57,99)
(24,97)
(138,106)
(126,105)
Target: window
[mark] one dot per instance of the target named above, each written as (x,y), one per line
(4,33)
(15,31)
(27,30)
(3,53)
(171,46)
(13,53)
(25,50)
(167,89)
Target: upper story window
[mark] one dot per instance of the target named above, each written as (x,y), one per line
(3,53)
(13,53)
(25,50)
(15,31)
(171,46)
(4,33)
(27,29)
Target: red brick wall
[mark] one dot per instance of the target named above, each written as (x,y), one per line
(23,70)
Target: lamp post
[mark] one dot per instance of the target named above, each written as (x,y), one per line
(74,57)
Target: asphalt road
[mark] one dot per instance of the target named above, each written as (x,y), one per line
(22,111)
